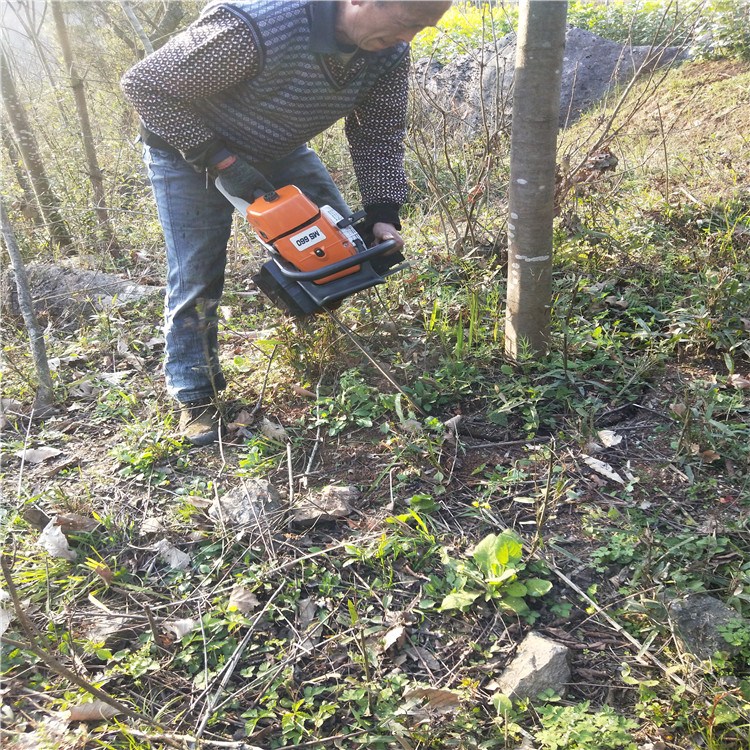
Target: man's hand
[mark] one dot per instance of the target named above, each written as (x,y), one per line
(240,179)
(382,232)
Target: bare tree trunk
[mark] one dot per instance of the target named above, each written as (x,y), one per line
(536,105)
(95,173)
(127,9)
(30,209)
(49,205)
(45,396)
(171,19)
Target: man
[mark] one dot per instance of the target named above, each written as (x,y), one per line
(237,95)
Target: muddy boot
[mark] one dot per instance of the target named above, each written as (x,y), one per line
(200,422)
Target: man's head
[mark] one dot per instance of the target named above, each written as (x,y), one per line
(376,24)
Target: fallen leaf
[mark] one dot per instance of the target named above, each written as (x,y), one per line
(151,525)
(623,304)
(609,438)
(6,615)
(394,637)
(306,609)
(104,572)
(436,698)
(115,378)
(37,455)
(300,391)
(243,419)
(180,628)
(53,540)
(423,656)
(603,469)
(738,381)
(243,600)
(273,430)
(175,558)
(308,624)
(71,523)
(94,711)
(679,409)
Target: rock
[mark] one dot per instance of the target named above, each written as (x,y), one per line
(479,85)
(540,664)
(108,630)
(255,503)
(696,621)
(67,294)
(331,505)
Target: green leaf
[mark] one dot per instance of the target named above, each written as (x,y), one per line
(538,586)
(516,589)
(502,703)
(515,604)
(508,575)
(459,600)
(485,553)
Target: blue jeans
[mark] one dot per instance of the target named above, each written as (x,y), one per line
(197,221)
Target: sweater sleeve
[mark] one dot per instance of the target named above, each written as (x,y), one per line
(213,54)
(376,132)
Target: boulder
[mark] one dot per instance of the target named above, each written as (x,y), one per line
(696,622)
(539,664)
(68,294)
(478,86)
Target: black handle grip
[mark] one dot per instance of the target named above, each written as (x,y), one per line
(340,265)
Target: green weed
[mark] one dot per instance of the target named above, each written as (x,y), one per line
(578,728)
(493,573)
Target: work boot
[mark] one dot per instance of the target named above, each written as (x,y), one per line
(200,422)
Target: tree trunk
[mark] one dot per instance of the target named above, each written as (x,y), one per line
(29,208)
(49,205)
(127,9)
(45,396)
(95,173)
(168,23)
(536,105)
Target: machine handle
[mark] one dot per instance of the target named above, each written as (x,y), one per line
(341,265)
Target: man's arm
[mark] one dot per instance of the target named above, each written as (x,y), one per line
(376,132)
(216,52)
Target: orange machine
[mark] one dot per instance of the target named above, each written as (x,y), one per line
(302,234)
(317,256)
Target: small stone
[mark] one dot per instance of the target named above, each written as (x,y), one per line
(697,620)
(332,504)
(255,502)
(540,664)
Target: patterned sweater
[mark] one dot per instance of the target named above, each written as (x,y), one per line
(264,76)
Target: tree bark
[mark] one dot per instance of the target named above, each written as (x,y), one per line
(79,94)
(49,205)
(45,396)
(536,105)
(127,9)
(29,209)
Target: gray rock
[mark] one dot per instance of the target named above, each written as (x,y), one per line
(540,664)
(696,620)
(332,504)
(477,88)
(68,294)
(255,503)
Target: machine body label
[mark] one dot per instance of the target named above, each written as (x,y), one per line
(308,238)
